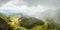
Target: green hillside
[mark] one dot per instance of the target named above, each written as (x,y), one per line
(23,22)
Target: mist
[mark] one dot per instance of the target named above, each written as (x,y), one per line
(35,8)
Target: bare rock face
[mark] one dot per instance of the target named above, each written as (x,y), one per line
(3,25)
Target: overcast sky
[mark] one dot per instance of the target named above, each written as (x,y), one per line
(29,7)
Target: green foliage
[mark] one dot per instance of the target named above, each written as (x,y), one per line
(30,22)
(38,28)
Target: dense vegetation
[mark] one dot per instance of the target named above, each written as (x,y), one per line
(22,22)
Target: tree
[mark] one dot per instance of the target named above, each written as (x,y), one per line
(30,22)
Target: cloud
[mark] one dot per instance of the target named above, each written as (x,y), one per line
(47,3)
(22,8)
(54,3)
(2,2)
(29,7)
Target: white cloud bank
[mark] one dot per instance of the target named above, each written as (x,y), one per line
(12,6)
(29,7)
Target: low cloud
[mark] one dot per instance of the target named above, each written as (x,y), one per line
(29,7)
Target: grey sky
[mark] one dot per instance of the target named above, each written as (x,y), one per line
(2,2)
(51,3)
(31,7)
(54,3)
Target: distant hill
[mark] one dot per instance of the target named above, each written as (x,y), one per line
(53,14)
(25,21)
